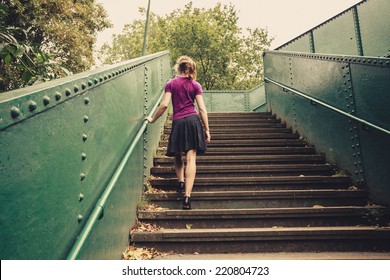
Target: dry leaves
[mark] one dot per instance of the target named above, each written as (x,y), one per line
(153,190)
(134,253)
(188,226)
(151,207)
(145,227)
(318,206)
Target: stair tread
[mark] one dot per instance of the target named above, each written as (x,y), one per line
(260,194)
(259,187)
(248,234)
(250,212)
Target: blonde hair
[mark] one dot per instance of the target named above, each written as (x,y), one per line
(184,64)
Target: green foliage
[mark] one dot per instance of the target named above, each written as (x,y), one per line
(39,37)
(226,58)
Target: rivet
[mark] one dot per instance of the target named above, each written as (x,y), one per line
(15,112)
(80,218)
(86,119)
(68,92)
(46,100)
(90,83)
(86,100)
(58,96)
(83,86)
(101,79)
(85,137)
(81,197)
(95,81)
(83,156)
(145,166)
(75,88)
(82,176)
(32,106)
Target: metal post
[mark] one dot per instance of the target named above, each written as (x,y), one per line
(146,29)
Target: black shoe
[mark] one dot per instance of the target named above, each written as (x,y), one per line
(180,187)
(186,203)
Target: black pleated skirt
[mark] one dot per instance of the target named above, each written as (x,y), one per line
(187,134)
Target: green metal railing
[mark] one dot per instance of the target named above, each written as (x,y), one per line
(360,30)
(71,152)
(236,100)
(339,103)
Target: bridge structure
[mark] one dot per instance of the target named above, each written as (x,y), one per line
(76,153)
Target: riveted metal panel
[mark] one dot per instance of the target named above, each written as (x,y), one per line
(371,94)
(110,237)
(322,92)
(359,30)
(374,27)
(323,79)
(236,100)
(340,30)
(61,143)
(300,44)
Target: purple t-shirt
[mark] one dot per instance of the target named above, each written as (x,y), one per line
(183,92)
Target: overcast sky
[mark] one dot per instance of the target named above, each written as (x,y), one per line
(284,19)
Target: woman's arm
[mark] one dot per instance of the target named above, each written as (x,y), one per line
(204,116)
(161,109)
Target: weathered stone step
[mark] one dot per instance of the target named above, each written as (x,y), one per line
(237,115)
(245,240)
(222,170)
(243,130)
(258,183)
(250,143)
(262,199)
(230,115)
(249,159)
(217,150)
(226,125)
(265,217)
(241,121)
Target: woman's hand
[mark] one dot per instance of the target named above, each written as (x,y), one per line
(208,136)
(149,119)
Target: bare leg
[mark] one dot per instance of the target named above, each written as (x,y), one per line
(190,171)
(179,167)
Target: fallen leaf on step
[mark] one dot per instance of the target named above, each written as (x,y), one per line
(134,253)
(196,253)
(352,188)
(188,226)
(318,206)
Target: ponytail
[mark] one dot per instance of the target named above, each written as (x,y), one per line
(185,64)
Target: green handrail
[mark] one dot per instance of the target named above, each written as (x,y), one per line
(327,105)
(99,208)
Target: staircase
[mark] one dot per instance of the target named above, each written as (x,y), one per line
(259,188)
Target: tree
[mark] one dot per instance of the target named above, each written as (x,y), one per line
(40,39)
(226,59)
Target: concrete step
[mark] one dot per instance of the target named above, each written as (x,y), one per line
(248,159)
(258,183)
(261,199)
(266,217)
(243,130)
(222,170)
(215,150)
(249,142)
(225,125)
(252,240)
